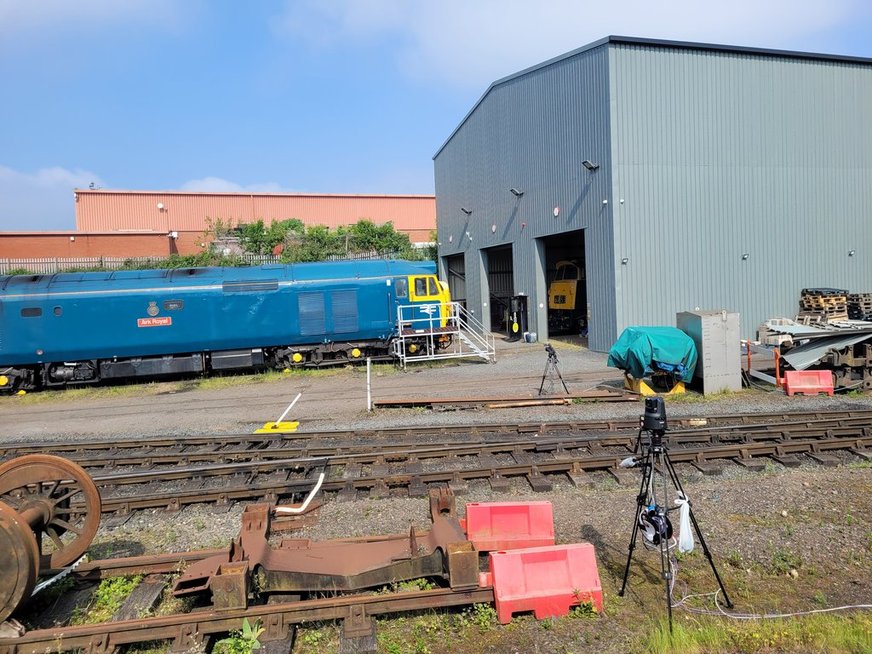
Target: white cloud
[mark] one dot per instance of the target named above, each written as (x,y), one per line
(219,185)
(22,17)
(42,200)
(473,43)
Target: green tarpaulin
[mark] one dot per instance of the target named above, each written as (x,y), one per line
(641,351)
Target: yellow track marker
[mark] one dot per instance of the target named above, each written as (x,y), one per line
(280,427)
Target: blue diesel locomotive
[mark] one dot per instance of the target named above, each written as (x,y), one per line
(81,328)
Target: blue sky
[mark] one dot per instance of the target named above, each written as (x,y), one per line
(342,96)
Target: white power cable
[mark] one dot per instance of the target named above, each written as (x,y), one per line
(749,616)
(296,510)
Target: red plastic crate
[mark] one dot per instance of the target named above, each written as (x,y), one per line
(545,580)
(509,525)
(808,382)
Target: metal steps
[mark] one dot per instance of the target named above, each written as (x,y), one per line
(444,331)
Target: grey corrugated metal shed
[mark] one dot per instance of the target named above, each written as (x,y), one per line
(729,177)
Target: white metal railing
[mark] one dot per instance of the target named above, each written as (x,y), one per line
(422,336)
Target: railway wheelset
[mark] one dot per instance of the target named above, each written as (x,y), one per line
(49,514)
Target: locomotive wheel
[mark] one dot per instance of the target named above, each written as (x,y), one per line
(19,561)
(58,500)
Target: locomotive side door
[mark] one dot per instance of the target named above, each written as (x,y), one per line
(427,294)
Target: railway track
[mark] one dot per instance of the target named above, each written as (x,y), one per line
(191,631)
(382,468)
(229,448)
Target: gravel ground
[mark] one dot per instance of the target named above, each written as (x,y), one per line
(783,539)
(336,399)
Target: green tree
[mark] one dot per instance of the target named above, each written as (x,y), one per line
(257,238)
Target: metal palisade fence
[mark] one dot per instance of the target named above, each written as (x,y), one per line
(50,265)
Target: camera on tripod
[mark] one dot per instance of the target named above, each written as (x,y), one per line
(651,518)
(552,353)
(654,418)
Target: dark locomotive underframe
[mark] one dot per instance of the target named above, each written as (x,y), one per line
(58,374)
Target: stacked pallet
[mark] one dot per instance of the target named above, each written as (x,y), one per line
(822,305)
(860,306)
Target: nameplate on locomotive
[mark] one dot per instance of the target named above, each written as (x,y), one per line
(154,322)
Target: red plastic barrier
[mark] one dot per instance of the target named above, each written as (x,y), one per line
(545,580)
(808,382)
(509,525)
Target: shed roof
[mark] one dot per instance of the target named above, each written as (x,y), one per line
(660,43)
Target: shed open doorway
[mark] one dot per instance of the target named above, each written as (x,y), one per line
(501,285)
(566,277)
(456,270)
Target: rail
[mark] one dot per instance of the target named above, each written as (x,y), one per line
(288,471)
(188,631)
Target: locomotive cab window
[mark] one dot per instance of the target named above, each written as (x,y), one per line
(425,288)
(401,287)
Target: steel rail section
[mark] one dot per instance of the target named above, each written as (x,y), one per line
(84,448)
(562,460)
(378,453)
(219,454)
(137,565)
(190,630)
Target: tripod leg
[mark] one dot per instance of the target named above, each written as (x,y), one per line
(677,483)
(666,574)
(557,370)
(544,374)
(640,501)
(666,571)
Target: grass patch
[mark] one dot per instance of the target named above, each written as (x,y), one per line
(215,382)
(692,397)
(241,641)
(783,561)
(825,633)
(107,599)
(86,393)
(409,586)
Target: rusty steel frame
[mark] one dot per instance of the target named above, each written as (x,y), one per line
(303,566)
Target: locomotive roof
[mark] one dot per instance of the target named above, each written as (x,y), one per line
(12,284)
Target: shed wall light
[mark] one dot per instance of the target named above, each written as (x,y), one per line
(851,253)
(590,165)
(466,211)
(745,256)
(625,261)
(516,192)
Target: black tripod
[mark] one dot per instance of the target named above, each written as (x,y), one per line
(551,370)
(650,514)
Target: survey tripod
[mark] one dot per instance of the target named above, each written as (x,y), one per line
(651,509)
(551,371)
